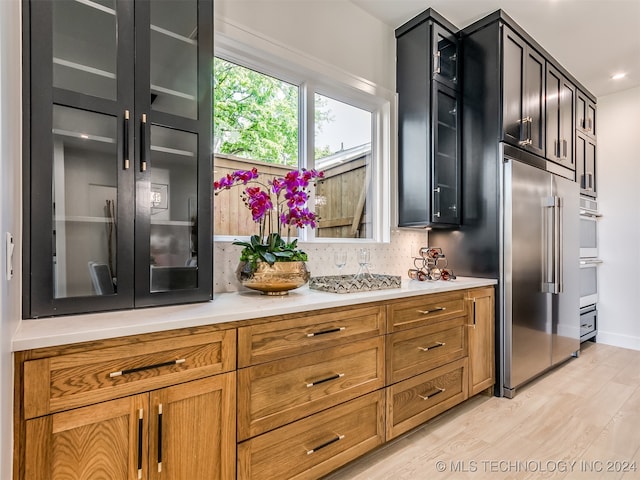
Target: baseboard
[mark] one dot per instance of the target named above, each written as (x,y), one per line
(618,340)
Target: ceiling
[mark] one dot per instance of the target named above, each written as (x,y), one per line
(592,39)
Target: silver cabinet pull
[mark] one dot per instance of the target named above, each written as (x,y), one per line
(125,140)
(431,347)
(335,439)
(324,332)
(437,309)
(143,153)
(146,367)
(436,62)
(432,393)
(328,379)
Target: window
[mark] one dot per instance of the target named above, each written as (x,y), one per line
(343,152)
(285,120)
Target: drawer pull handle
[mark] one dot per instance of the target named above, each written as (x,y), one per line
(427,312)
(335,439)
(431,347)
(140,430)
(147,367)
(432,394)
(328,379)
(324,332)
(585,325)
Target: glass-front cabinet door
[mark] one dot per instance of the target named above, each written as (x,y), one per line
(173,203)
(445,56)
(117,125)
(446,153)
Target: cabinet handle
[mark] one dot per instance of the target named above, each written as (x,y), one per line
(143,152)
(431,347)
(324,332)
(126,139)
(160,438)
(335,439)
(328,379)
(566,148)
(436,62)
(436,191)
(473,300)
(146,367)
(140,429)
(433,393)
(427,312)
(525,131)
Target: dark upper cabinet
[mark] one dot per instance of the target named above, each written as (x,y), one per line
(445,56)
(586,164)
(585,115)
(523,77)
(560,124)
(117,136)
(428,123)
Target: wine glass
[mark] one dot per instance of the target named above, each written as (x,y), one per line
(364,257)
(340,259)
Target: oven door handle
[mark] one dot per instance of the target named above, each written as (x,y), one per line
(589,214)
(594,261)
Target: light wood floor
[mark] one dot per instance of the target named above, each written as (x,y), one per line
(579,421)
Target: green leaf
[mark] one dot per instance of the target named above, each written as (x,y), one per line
(268,257)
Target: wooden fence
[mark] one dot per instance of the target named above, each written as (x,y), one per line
(340,198)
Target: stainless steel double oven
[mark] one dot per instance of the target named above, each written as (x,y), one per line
(589,265)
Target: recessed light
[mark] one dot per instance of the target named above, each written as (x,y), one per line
(618,76)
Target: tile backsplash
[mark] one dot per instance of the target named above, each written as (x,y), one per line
(393,258)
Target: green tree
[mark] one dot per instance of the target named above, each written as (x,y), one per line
(255,116)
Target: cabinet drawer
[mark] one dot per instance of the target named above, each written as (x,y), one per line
(425,310)
(316,445)
(276,393)
(411,352)
(414,401)
(272,341)
(68,381)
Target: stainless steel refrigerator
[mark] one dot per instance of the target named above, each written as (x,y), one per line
(521,226)
(540,279)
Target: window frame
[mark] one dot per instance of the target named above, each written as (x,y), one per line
(339,86)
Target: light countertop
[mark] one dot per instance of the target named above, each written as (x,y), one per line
(226,307)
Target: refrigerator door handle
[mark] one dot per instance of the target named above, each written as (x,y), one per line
(551,272)
(559,243)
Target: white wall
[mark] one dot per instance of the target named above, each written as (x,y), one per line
(10,212)
(336,32)
(618,196)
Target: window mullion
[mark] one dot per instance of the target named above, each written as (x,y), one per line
(307,144)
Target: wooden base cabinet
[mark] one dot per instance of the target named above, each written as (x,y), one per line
(182,432)
(412,402)
(147,407)
(316,445)
(313,391)
(481,337)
